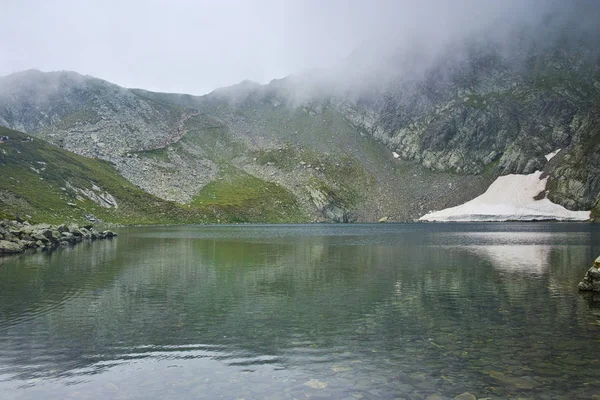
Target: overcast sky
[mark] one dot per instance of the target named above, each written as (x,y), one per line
(196,46)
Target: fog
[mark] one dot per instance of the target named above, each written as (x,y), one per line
(194,47)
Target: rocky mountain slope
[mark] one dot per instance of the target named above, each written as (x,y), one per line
(493,111)
(356,147)
(43,183)
(248,137)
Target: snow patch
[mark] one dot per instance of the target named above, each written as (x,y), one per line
(510,197)
(550,156)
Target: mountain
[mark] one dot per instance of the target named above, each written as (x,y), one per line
(41,182)
(418,132)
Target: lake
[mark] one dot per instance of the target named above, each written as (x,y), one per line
(388,311)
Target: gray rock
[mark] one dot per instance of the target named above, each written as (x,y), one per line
(86,234)
(56,235)
(91,218)
(329,206)
(40,237)
(73,228)
(62,228)
(76,232)
(68,236)
(7,247)
(591,280)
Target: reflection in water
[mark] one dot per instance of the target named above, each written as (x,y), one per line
(525,258)
(380,311)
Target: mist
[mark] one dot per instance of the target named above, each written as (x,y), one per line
(195,47)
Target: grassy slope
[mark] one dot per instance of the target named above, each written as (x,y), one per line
(233,196)
(246,198)
(41,196)
(323,139)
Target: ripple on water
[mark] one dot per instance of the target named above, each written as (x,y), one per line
(330,311)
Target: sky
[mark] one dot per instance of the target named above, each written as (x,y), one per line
(196,46)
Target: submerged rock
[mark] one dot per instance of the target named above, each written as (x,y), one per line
(591,280)
(466,396)
(521,383)
(316,384)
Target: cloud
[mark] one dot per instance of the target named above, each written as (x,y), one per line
(196,46)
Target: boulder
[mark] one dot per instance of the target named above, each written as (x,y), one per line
(62,228)
(85,233)
(56,235)
(591,280)
(40,237)
(7,247)
(77,233)
(26,244)
(16,232)
(68,236)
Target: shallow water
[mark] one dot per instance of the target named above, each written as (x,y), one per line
(384,311)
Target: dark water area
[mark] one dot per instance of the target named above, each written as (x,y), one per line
(390,311)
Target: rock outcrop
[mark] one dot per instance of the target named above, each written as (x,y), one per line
(591,280)
(329,205)
(16,237)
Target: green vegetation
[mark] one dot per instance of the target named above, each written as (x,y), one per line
(39,182)
(285,158)
(205,138)
(240,197)
(342,177)
(595,215)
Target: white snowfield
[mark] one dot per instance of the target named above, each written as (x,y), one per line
(509,198)
(550,156)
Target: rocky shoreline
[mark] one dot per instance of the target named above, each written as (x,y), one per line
(16,237)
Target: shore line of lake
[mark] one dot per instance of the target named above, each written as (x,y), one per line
(17,237)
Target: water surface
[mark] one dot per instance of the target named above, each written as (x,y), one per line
(388,311)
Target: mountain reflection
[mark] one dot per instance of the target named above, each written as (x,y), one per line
(308,302)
